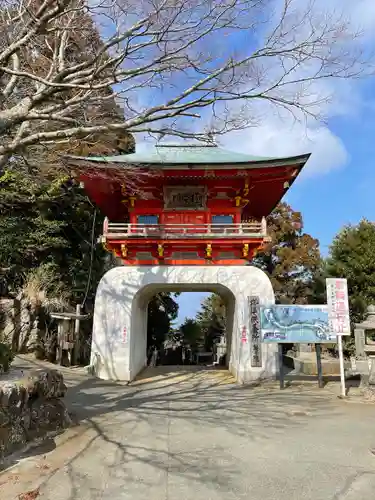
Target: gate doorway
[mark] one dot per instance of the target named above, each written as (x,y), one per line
(119,341)
(188,328)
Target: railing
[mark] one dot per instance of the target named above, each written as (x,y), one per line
(114,230)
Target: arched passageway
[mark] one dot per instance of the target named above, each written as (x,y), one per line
(144,296)
(120,318)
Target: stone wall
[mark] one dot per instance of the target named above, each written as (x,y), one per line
(31,407)
(17,325)
(8,319)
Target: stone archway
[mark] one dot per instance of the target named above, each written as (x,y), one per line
(120,316)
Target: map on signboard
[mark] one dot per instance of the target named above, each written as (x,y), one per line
(295,324)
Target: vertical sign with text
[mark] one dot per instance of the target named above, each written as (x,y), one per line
(338,306)
(255,332)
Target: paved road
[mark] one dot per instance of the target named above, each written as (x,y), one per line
(201,437)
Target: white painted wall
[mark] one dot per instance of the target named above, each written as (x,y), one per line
(121,303)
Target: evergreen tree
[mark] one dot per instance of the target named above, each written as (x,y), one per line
(28,232)
(49,223)
(291,259)
(162,311)
(212,320)
(191,332)
(352,256)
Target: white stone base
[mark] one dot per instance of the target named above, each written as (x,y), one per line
(119,340)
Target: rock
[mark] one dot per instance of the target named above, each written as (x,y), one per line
(30,407)
(17,434)
(48,413)
(371,379)
(368,394)
(14,397)
(45,383)
(4,417)
(12,437)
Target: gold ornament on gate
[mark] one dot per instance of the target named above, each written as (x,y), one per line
(128,199)
(241,199)
(132,201)
(238,200)
(209,251)
(124,250)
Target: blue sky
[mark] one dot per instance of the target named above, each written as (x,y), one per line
(189,304)
(341,196)
(330,200)
(338,184)
(341,193)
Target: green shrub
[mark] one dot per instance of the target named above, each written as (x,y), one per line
(6,357)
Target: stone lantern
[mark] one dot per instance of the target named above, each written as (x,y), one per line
(364,334)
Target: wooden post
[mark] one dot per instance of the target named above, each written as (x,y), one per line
(76,348)
(281,367)
(318,350)
(60,341)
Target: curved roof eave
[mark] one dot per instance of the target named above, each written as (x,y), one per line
(130,160)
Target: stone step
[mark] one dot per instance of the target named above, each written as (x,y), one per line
(307,365)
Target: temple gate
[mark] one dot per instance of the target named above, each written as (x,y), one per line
(183,218)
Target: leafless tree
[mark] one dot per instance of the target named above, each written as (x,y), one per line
(186,68)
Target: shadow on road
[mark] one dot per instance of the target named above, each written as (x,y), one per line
(196,401)
(127,427)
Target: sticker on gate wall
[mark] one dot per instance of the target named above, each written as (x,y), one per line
(244,335)
(125,335)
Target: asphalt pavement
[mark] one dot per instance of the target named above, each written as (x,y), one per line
(193,436)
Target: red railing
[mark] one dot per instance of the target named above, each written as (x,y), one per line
(114,230)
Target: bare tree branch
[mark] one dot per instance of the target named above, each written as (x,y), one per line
(62,61)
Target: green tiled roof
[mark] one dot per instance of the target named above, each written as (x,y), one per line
(183,155)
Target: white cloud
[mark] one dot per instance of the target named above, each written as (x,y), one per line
(280,133)
(277,138)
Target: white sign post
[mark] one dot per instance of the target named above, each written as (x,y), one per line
(338,317)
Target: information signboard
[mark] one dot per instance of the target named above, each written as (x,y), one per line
(296,324)
(338,306)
